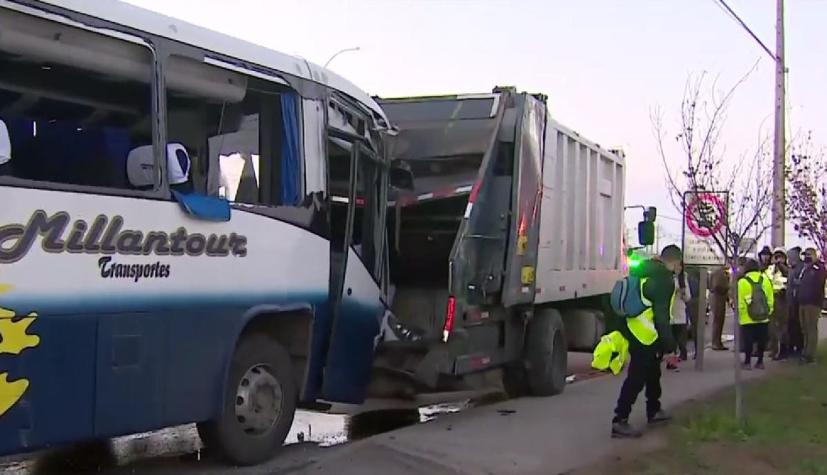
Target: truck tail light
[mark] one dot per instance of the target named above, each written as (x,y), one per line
(450,313)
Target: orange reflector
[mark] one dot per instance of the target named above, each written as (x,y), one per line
(475,190)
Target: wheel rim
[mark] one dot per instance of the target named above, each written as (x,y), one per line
(258,400)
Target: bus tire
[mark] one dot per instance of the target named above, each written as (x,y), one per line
(546,353)
(259,403)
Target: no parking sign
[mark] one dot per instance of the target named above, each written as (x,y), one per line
(705,219)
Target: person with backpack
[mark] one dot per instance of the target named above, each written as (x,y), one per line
(648,330)
(755,305)
(810,296)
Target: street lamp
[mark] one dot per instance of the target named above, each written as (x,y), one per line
(355,48)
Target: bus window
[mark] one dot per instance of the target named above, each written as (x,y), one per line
(73,106)
(245,139)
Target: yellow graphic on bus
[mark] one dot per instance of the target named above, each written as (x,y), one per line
(11,392)
(14,339)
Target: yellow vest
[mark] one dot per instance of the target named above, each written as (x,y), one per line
(611,353)
(643,326)
(745,296)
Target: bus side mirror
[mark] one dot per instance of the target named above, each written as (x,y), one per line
(646,233)
(401,176)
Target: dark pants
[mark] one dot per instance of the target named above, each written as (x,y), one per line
(644,371)
(809,315)
(679,333)
(755,334)
(795,336)
(718,302)
(692,314)
(779,338)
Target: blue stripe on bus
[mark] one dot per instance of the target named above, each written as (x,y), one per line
(101,373)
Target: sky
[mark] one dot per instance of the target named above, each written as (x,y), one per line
(604,64)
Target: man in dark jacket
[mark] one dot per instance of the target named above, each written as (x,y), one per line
(810,300)
(650,337)
(795,338)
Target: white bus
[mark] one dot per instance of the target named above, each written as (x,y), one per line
(169,249)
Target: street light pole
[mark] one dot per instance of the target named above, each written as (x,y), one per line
(355,48)
(779,144)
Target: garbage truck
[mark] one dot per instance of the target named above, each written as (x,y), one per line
(505,249)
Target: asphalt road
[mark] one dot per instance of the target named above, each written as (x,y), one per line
(178,450)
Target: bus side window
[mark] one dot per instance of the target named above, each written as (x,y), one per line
(244,132)
(72,119)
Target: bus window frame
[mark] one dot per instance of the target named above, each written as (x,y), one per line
(172,49)
(160,189)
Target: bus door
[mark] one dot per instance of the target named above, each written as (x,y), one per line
(357,264)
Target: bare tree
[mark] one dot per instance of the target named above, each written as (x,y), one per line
(699,161)
(807,195)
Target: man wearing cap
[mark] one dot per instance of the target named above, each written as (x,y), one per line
(765,258)
(778,272)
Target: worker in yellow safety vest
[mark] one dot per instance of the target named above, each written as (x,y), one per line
(650,338)
(756,301)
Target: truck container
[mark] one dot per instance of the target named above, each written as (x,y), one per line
(504,252)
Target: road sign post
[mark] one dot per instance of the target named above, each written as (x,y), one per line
(705,234)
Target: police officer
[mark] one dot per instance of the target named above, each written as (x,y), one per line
(778,273)
(650,337)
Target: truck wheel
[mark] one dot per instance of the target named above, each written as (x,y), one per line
(514,380)
(259,403)
(546,354)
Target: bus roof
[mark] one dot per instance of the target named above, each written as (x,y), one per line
(154,23)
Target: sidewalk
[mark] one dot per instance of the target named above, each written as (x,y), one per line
(526,436)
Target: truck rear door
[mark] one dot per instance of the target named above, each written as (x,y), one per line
(521,253)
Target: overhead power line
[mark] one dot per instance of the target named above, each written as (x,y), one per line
(738,19)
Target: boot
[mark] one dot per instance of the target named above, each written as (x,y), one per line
(660,417)
(623,430)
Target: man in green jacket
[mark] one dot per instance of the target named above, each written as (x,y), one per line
(650,337)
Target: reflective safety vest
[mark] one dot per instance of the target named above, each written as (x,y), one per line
(643,326)
(611,353)
(779,282)
(745,297)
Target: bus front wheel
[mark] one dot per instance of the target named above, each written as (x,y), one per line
(259,403)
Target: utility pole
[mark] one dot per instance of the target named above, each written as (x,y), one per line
(779,162)
(779,144)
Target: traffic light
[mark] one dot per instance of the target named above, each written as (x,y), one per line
(633,260)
